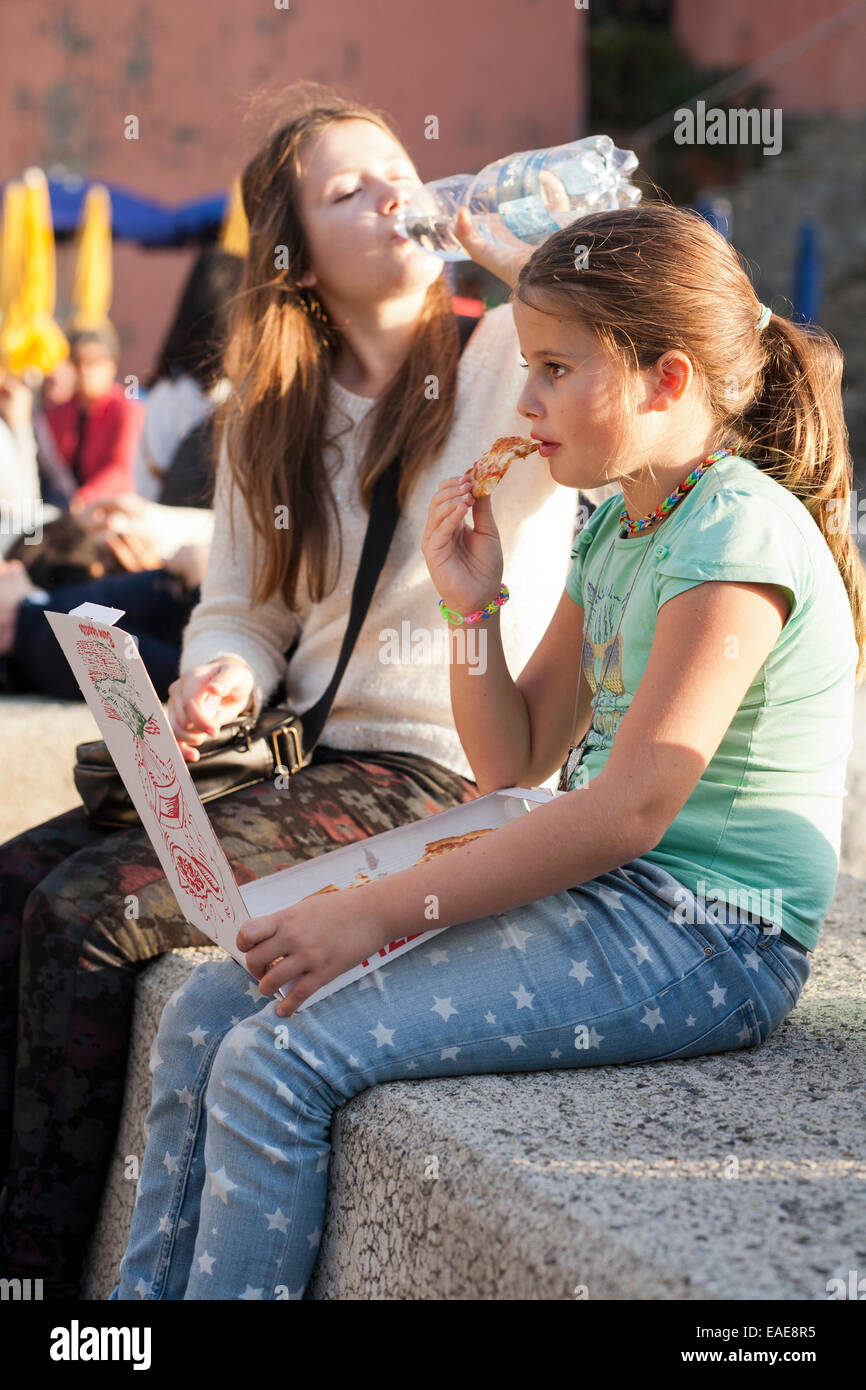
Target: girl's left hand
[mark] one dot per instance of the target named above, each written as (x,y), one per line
(499,260)
(311,942)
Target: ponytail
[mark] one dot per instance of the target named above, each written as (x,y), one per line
(794,428)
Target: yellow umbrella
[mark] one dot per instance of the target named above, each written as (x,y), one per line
(235,232)
(30,336)
(12,257)
(92,282)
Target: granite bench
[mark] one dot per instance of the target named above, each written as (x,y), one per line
(738,1175)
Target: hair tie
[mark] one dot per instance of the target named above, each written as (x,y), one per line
(766,314)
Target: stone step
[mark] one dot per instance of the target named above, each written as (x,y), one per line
(738,1175)
(38,738)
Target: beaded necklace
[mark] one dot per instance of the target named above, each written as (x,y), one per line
(625,527)
(633,528)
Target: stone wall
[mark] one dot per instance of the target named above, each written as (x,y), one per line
(814,53)
(71,75)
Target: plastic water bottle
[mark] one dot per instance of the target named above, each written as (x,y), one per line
(524,198)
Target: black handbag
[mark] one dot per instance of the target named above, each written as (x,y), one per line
(279,741)
(246,751)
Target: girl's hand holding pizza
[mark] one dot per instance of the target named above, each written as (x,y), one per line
(311,942)
(464,563)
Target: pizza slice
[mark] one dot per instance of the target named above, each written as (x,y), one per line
(491,467)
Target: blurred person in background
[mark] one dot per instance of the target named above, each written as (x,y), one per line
(72,566)
(130,551)
(58,385)
(187,381)
(89,441)
(169,506)
(19,476)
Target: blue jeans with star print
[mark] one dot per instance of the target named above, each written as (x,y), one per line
(626,968)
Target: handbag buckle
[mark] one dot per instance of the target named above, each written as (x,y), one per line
(239,731)
(286,747)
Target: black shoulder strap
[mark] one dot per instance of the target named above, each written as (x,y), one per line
(384,514)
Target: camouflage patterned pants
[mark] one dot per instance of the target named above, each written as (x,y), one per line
(69,958)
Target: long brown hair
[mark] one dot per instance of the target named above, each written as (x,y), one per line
(279,358)
(655,278)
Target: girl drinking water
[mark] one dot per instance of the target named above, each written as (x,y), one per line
(702,658)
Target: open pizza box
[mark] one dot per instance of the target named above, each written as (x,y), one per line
(131,719)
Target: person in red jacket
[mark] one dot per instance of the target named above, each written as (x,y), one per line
(96,431)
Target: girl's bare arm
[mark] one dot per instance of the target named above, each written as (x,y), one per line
(517,733)
(513,732)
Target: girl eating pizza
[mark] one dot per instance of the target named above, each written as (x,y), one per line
(696,684)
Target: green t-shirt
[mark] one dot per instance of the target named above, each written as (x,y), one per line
(761,829)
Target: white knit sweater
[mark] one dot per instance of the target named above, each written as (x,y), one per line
(382,702)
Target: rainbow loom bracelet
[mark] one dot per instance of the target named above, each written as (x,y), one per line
(501,597)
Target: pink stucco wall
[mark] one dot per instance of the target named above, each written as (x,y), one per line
(499,74)
(828,75)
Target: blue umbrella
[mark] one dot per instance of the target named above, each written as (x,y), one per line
(135,218)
